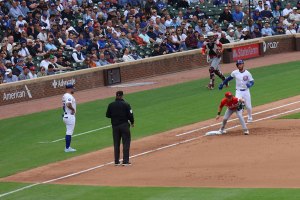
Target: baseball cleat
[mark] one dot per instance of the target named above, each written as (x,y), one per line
(118,164)
(250,120)
(221,132)
(70,149)
(246,132)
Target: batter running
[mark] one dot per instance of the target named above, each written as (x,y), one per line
(244,81)
(233,104)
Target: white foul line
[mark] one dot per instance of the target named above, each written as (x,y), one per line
(205,127)
(79,134)
(137,155)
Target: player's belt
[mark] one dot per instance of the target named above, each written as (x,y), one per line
(241,89)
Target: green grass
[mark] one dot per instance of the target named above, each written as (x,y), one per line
(50,192)
(155,111)
(293,116)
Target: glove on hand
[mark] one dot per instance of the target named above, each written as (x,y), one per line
(241,106)
(221,86)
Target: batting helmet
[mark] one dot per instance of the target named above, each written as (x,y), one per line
(69,86)
(228,94)
(238,62)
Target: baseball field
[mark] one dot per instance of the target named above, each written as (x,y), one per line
(172,159)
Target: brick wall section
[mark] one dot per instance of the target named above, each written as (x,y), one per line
(149,67)
(279,44)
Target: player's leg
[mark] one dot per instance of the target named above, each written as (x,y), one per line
(117,142)
(226,116)
(70,125)
(248,105)
(126,139)
(242,121)
(216,66)
(211,78)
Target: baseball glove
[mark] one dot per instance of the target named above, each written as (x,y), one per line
(241,106)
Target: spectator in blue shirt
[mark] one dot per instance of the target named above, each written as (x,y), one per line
(267,30)
(237,14)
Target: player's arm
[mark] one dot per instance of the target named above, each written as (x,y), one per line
(225,82)
(219,110)
(130,115)
(69,105)
(250,84)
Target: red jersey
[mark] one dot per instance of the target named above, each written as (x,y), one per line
(232,104)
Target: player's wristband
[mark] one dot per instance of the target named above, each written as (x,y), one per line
(219,113)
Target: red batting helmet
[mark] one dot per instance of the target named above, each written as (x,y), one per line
(228,94)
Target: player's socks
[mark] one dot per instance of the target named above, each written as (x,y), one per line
(68,141)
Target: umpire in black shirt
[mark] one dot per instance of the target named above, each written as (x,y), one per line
(121,114)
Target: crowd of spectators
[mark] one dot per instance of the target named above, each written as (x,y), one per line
(46,37)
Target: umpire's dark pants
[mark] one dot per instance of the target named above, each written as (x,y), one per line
(122,131)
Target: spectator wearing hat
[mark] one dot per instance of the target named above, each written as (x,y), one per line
(288,9)
(9,77)
(237,14)
(25,74)
(174,23)
(230,36)
(245,34)
(256,32)
(266,13)
(226,16)
(267,30)
(77,54)
(294,15)
(199,13)
(32,72)
(43,35)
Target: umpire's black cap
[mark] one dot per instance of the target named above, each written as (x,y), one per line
(119,93)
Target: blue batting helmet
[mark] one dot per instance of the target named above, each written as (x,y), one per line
(238,62)
(69,86)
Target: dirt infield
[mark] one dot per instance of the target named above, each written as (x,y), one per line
(261,159)
(184,157)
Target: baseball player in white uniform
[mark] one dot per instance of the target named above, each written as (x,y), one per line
(244,81)
(69,109)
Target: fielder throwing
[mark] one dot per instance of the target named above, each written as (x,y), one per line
(244,81)
(213,48)
(69,109)
(234,105)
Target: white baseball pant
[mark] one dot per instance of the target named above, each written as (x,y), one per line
(69,120)
(245,94)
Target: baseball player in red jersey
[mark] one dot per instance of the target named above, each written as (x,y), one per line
(213,48)
(234,105)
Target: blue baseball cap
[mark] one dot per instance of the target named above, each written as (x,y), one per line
(238,62)
(69,86)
